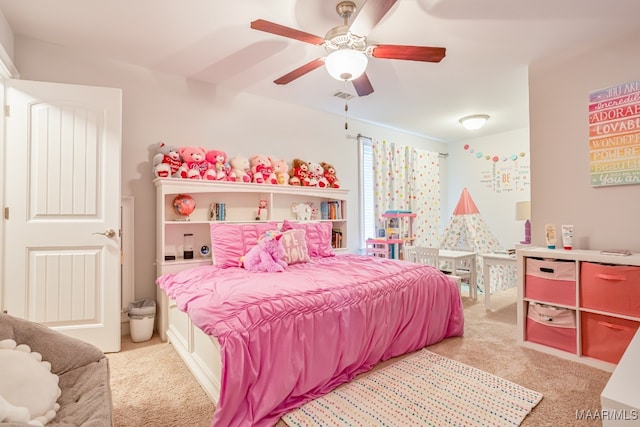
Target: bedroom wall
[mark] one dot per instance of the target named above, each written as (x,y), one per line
(561,193)
(495,186)
(158,106)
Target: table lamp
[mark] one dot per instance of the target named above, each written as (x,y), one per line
(523,213)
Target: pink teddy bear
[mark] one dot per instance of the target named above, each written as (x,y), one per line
(262,170)
(195,164)
(267,256)
(281,169)
(220,167)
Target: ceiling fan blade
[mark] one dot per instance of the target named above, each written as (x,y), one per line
(411,53)
(370,14)
(362,85)
(300,71)
(281,30)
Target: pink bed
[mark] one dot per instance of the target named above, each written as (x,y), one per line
(286,338)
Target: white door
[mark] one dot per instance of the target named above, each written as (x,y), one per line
(62,225)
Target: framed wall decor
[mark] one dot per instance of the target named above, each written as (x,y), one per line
(614,135)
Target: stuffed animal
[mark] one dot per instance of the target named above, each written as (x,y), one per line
(219,164)
(240,169)
(267,256)
(195,164)
(302,211)
(330,175)
(167,161)
(280,168)
(316,175)
(299,173)
(262,170)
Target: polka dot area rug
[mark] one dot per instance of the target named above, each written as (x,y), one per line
(424,389)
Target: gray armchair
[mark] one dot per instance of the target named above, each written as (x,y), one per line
(83,371)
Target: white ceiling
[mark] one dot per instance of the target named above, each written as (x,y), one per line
(489,45)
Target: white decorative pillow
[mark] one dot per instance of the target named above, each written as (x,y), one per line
(27,383)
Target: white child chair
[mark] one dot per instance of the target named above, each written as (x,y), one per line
(422,255)
(429,256)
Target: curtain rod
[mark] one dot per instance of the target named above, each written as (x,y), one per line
(443,155)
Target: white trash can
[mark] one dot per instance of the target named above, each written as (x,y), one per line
(142,315)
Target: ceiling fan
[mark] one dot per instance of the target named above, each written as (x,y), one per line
(347,47)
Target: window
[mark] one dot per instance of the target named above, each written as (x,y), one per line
(367,218)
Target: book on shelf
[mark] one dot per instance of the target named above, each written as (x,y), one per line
(217,212)
(336,238)
(324,210)
(334,209)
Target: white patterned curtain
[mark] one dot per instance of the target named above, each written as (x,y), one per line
(408,178)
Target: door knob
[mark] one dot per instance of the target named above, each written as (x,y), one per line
(108,233)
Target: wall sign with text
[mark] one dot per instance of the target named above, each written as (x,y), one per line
(614,135)
(505,172)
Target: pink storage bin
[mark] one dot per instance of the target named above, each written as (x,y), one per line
(552,326)
(611,288)
(550,281)
(606,338)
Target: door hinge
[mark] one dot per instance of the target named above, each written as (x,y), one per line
(6,213)
(7,110)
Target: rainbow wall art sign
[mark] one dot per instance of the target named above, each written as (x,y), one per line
(614,135)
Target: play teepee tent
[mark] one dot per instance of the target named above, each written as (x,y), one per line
(467,230)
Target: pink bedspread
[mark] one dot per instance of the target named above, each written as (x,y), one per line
(286,338)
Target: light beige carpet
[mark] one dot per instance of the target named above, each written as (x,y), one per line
(152,387)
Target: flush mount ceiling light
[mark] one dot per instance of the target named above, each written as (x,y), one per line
(346,64)
(474,122)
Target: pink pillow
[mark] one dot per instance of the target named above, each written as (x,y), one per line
(229,242)
(318,236)
(295,246)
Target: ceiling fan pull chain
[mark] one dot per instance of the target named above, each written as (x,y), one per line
(346,107)
(346,118)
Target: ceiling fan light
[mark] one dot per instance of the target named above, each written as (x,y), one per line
(474,122)
(346,64)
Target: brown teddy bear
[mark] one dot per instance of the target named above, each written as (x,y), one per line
(299,173)
(330,175)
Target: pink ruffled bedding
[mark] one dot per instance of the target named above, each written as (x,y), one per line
(286,338)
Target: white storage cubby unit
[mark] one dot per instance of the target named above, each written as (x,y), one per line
(598,293)
(241,202)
